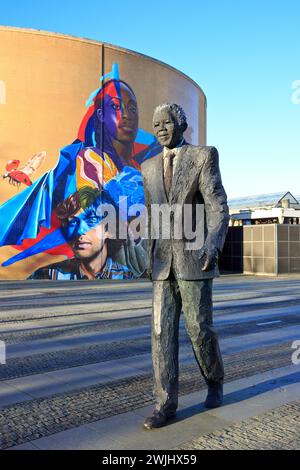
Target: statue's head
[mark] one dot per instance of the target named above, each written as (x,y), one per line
(169,124)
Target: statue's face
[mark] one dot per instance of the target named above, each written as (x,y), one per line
(166,129)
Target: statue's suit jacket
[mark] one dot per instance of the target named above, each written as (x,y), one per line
(196,180)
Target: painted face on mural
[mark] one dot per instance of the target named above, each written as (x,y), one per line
(166,129)
(119,113)
(91,244)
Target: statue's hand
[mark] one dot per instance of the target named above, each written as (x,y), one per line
(208,257)
(149,274)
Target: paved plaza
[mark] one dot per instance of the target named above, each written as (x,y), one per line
(78,371)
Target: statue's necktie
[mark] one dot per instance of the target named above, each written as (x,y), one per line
(169,171)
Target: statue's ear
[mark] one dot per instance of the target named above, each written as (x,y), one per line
(184,127)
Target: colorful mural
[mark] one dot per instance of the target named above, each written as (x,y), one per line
(58,214)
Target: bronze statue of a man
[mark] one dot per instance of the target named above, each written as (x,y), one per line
(182,278)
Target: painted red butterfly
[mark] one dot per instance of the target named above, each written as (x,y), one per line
(22,175)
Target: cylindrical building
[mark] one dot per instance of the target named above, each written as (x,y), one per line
(45,81)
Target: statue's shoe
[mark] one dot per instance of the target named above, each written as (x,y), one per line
(214,396)
(158,419)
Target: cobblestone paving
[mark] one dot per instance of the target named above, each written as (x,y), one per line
(19,317)
(73,357)
(50,361)
(68,303)
(77,312)
(121,324)
(74,330)
(42,417)
(276,429)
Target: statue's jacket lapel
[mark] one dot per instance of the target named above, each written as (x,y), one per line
(186,175)
(155,180)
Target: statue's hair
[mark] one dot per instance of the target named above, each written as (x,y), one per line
(176,111)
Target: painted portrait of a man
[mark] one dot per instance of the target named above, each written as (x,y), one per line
(97,249)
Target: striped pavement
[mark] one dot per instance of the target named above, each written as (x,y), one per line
(79,362)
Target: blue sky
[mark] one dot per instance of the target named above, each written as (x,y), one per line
(245,55)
